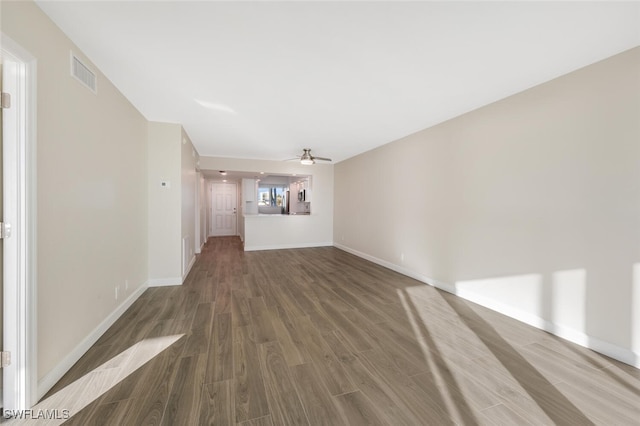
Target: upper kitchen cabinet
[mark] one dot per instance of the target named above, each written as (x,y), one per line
(249,190)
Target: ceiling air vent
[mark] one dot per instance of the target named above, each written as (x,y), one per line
(83,74)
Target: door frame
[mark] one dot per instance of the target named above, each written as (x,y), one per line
(197,234)
(20,385)
(211,200)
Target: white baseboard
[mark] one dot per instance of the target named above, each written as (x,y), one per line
(571,334)
(162,282)
(400,269)
(199,249)
(191,263)
(578,337)
(52,377)
(286,246)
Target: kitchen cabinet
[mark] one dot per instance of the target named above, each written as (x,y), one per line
(249,190)
(249,196)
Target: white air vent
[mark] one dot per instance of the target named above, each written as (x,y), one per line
(83,74)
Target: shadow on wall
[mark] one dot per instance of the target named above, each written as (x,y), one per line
(560,302)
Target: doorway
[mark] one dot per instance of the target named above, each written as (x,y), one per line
(1,245)
(19,375)
(223,209)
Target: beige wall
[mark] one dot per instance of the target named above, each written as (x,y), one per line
(189,159)
(530,205)
(202,188)
(91,186)
(172,159)
(165,211)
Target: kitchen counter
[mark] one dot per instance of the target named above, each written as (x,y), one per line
(266,231)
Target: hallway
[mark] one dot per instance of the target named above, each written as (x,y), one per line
(318,336)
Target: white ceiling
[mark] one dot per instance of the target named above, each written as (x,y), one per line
(266,79)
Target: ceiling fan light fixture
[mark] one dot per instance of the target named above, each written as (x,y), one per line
(306,157)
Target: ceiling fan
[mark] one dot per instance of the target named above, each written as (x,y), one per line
(307,159)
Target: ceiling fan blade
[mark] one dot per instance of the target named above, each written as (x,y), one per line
(322,158)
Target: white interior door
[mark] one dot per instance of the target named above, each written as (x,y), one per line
(224,209)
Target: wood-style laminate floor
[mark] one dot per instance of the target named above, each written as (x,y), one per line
(318,336)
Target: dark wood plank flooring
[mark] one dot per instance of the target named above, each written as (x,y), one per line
(318,336)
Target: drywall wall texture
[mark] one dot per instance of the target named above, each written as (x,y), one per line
(172,203)
(189,160)
(318,227)
(91,191)
(530,205)
(202,184)
(165,201)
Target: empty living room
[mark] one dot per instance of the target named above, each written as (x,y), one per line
(320,212)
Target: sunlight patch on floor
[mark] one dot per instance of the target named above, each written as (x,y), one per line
(449,400)
(96,383)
